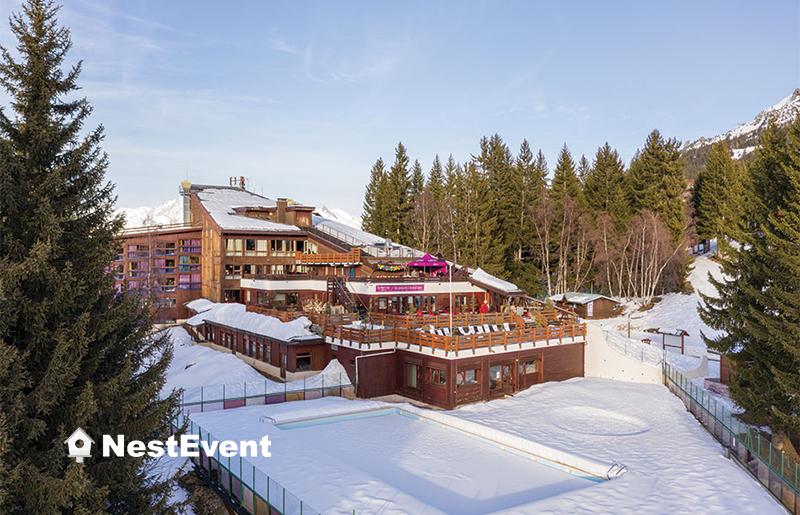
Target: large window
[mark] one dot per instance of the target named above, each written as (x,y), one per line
(437,376)
(303,362)
(530,366)
(468,377)
(412,375)
(250,247)
(233,247)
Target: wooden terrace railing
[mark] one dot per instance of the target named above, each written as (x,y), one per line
(324,319)
(352,257)
(456,343)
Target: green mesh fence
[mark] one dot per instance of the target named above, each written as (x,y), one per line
(247,486)
(779,473)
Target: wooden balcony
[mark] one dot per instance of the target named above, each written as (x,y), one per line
(349,258)
(421,340)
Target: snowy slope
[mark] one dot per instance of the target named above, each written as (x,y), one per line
(195,365)
(678,310)
(339,215)
(170,212)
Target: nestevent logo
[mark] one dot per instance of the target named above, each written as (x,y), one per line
(188,446)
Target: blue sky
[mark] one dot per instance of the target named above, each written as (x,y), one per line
(303,97)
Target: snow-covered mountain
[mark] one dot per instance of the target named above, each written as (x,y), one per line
(170,212)
(339,215)
(743,139)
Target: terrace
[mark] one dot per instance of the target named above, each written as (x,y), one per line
(432,332)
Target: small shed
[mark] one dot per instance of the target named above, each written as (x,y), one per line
(586,305)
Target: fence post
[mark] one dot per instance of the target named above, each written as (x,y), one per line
(255,504)
(201,399)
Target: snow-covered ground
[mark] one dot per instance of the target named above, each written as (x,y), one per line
(393,465)
(675,310)
(194,366)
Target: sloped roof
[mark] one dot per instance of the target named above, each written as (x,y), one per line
(221,201)
(485,279)
(580,298)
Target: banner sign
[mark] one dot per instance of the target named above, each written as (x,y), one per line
(400,287)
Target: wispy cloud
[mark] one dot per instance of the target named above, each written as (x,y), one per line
(374,60)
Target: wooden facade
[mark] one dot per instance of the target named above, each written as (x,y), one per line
(597,307)
(292,356)
(163,265)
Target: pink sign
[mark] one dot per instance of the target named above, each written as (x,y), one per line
(400,287)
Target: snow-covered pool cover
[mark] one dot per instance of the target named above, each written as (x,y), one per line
(219,202)
(388,464)
(236,316)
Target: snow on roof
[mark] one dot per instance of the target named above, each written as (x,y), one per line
(219,202)
(489,280)
(237,316)
(346,232)
(199,305)
(579,298)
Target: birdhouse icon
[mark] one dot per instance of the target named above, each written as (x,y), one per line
(80,445)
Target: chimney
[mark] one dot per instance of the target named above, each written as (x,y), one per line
(281,210)
(187,201)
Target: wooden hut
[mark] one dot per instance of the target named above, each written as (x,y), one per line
(587,305)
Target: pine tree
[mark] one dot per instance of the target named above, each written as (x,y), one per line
(565,178)
(375,216)
(417,179)
(436,180)
(398,195)
(74,353)
(758,307)
(604,185)
(504,201)
(716,194)
(655,182)
(583,168)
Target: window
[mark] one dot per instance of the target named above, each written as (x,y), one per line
(412,375)
(495,377)
(302,362)
(468,377)
(437,377)
(233,247)
(250,246)
(382,303)
(529,367)
(268,354)
(261,247)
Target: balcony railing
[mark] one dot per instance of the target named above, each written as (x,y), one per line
(190,249)
(188,286)
(139,273)
(165,252)
(349,258)
(165,289)
(414,338)
(188,268)
(139,255)
(161,270)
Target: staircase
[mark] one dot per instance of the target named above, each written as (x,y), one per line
(337,293)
